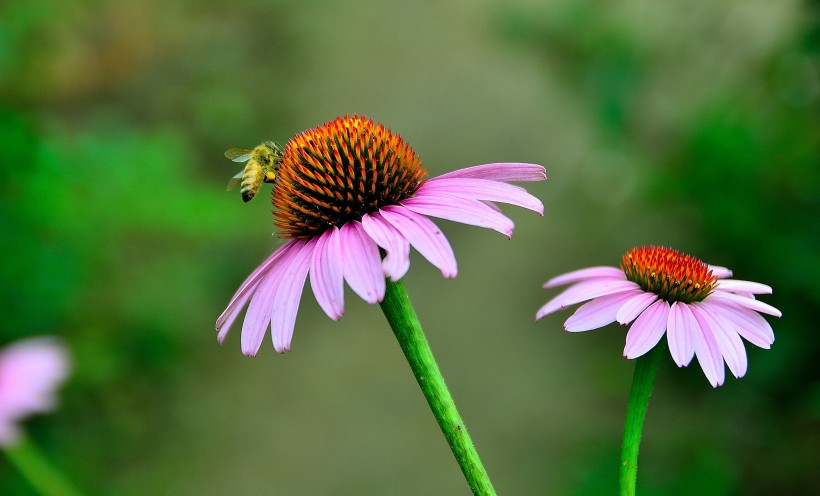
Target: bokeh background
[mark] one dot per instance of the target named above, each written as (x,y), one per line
(690,123)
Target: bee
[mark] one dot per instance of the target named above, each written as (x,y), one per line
(261,167)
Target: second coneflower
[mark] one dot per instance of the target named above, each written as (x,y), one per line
(347,193)
(661,291)
(702,313)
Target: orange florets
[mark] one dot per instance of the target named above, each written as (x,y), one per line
(672,275)
(339,171)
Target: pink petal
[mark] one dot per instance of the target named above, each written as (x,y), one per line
(482,189)
(720,272)
(508,172)
(583,291)
(749,324)
(30,372)
(287,297)
(261,306)
(680,333)
(246,289)
(362,263)
(647,330)
(257,318)
(735,286)
(634,307)
(461,210)
(744,302)
(492,205)
(582,274)
(729,343)
(707,349)
(229,319)
(326,277)
(397,261)
(597,313)
(424,236)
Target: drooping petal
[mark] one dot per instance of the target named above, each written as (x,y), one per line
(362,263)
(598,312)
(736,286)
(222,332)
(647,330)
(582,274)
(482,189)
(632,308)
(680,333)
(707,350)
(397,261)
(461,210)
(720,272)
(326,275)
(261,306)
(258,315)
(246,289)
(425,237)
(744,302)
(729,343)
(583,291)
(749,324)
(507,172)
(288,295)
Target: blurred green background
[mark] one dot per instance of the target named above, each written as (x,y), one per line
(694,124)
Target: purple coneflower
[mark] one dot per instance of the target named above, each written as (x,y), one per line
(664,291)
(346,190)
(30,372)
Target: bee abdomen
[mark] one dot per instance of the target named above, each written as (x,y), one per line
(251,181)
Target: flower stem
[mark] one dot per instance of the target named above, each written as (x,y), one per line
(402,318)
(642,381)
(36,468)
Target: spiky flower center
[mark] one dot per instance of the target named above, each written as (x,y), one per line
(339,171)
(670,274)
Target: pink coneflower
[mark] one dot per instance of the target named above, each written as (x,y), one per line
(665,291)
(346,190)
(30,372)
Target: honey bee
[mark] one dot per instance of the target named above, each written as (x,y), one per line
(261,167)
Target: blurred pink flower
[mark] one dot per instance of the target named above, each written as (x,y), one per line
(30,372)
(663,291)
(345,190)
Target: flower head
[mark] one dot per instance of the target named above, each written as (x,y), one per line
(30,371)
(347,192)
(664,291)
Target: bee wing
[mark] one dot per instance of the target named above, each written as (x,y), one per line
(234,181)
(238,154)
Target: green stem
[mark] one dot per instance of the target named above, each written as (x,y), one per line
(402,318)
(40,473)
(642,381)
